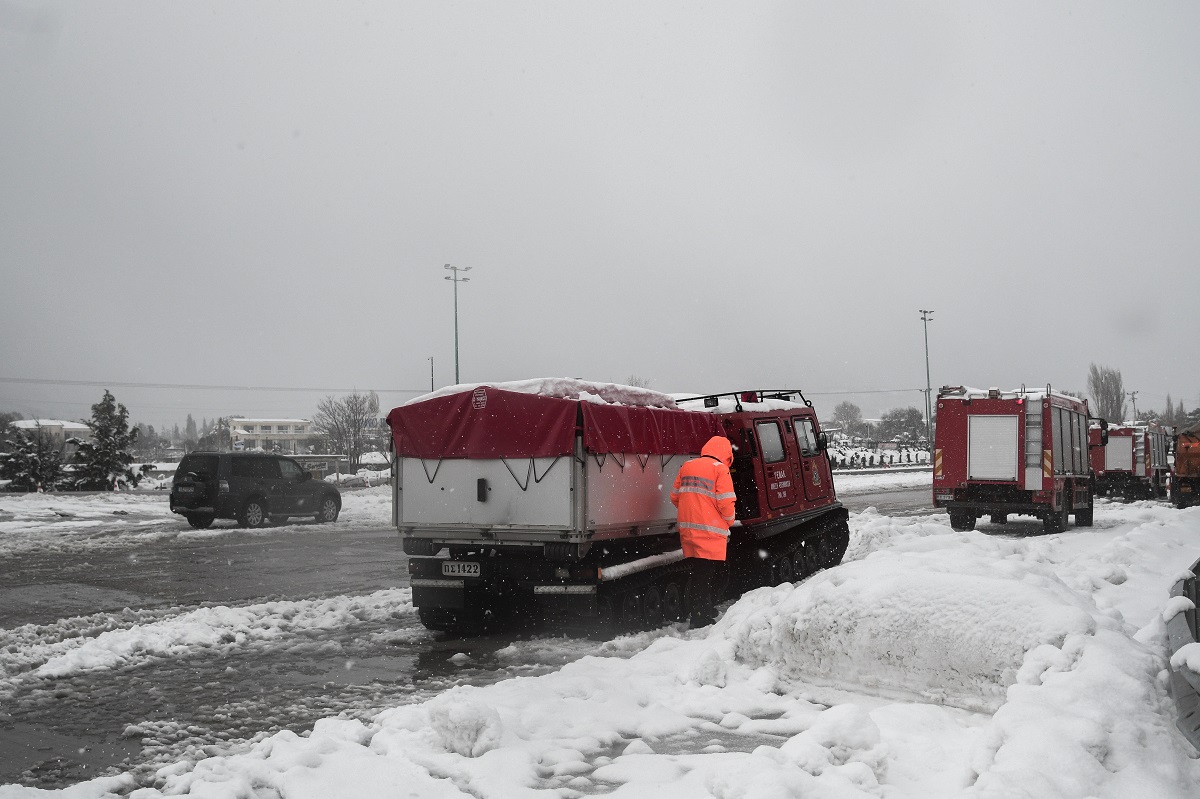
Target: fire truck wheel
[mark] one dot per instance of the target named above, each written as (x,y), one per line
(672,602)
(999,518)
(1055,521)
(962,520)
(1083,517)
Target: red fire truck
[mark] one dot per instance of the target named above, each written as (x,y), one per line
(1020,452)
(550,498)
(1133,464)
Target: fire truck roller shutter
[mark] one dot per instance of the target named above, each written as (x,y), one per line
(1118,454)
(992,447)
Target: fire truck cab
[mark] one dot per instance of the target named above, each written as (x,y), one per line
(998,453)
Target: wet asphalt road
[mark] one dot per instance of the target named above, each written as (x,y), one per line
(140,717)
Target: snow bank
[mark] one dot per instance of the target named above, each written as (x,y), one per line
(72,646)
(946,626)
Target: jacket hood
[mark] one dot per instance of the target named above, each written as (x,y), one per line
(719,447)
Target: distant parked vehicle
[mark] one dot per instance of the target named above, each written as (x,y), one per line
(253,488)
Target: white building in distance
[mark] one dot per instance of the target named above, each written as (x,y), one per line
(288,436)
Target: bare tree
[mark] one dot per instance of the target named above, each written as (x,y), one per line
(848,416)
(1108,392)
(350,424)
(637,382)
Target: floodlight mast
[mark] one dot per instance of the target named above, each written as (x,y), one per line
(453,277)
(927,317)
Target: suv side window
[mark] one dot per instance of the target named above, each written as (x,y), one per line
(267,468)
(289,468)
(242,467)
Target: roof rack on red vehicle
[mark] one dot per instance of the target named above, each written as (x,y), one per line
(754,395)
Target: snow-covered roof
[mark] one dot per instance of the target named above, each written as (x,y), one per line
(374,458)
(967,392)
(240,420)
(566,388)
(729,403)
(611,394)
(32,424)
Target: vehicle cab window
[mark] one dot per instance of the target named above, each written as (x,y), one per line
(290,470)
(771,441)
(267,468)
(806,436)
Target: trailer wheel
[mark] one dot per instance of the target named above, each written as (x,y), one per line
(672,602)
(631,610)
(457,622)
(962,520)
(652,606)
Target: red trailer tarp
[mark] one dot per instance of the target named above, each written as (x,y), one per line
(493,423)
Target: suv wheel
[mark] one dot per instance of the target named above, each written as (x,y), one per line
(253,513)
(329,509)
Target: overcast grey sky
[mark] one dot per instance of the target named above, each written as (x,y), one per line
(707,195)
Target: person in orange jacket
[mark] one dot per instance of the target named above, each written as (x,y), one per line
(703,494)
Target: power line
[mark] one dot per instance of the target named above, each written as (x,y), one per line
(198,386)
(866,391)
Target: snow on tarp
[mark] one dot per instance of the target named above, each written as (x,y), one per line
(539,419)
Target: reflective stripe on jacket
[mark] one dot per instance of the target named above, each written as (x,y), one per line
(704,495)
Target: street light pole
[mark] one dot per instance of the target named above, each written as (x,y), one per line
(453,277)
(430,359)
(926,316)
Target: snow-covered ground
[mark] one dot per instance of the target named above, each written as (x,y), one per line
(994,663)
(59,521)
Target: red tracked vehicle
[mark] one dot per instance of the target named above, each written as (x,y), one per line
(550,498)
(998,453)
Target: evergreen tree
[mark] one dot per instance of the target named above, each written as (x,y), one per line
(189,429)
(106,456)
(31,460)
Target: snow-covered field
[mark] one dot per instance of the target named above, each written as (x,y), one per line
(58,521)
(930,664)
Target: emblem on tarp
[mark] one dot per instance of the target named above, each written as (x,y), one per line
(816,476)
(479,398)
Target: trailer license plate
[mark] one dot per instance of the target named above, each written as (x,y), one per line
(186,489)
(460,568)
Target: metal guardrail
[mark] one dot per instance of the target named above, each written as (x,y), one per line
(1185,684)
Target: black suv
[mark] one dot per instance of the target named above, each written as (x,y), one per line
(250,487)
